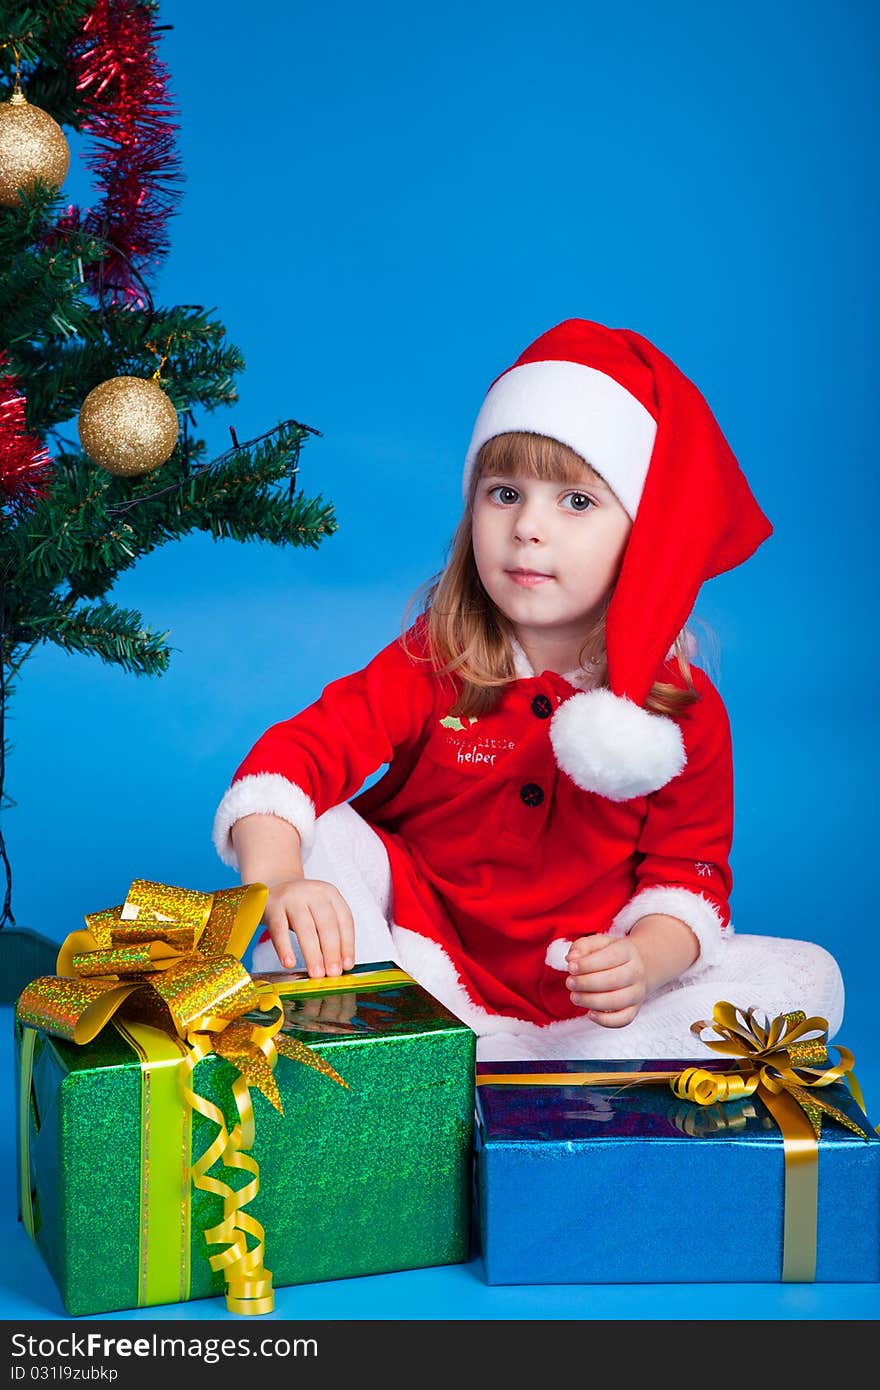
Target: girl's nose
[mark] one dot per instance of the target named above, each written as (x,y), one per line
(529,523)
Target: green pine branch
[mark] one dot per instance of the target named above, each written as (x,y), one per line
(92,526)
(42,288)
(116,635)
(200,371)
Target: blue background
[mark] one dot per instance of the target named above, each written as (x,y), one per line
(386,204)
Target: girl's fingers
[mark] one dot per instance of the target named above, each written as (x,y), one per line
(585,946)
(598,953)
(346,932)
(602,981)
(618,1018)
(322,923)
(309,943)
(610,1002)
(279,932)
(324,914)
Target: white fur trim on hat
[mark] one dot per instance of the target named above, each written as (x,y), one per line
(267,793)
(610,745)
(581,407)
(696,911)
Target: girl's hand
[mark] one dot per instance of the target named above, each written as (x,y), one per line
(607,978)
(319,918)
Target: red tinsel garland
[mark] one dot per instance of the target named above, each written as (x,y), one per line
(127,109)
(25,464)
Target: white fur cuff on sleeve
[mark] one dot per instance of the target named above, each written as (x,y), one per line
(691,908)
(270,794)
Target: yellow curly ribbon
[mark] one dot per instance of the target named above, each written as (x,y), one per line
(784,1062)
(246,1045)
(248,1282)
(170,957)
(711,1087)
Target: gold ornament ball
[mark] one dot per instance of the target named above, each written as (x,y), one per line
(32,145)
(128,425)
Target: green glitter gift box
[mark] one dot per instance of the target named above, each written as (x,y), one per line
(354,1180)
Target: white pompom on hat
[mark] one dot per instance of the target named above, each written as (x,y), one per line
(625,407)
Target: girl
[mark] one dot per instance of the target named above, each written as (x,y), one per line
(547,852)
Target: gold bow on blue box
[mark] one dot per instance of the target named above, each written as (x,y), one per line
(783,1063)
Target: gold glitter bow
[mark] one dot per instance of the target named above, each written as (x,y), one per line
(784,1063)
(171,957)
(774,1058)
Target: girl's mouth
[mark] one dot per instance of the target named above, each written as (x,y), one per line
(529,578)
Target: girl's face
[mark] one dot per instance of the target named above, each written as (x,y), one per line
(548,552)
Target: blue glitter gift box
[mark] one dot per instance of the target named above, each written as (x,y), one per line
(630,1184)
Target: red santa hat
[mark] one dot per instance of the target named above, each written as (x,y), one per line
(621,404)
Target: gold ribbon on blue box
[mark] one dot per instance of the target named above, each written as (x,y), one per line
(783,1063)
(165,968)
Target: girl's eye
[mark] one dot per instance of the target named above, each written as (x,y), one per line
(508,494)
(580,501)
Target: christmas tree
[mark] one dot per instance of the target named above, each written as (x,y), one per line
(100,460)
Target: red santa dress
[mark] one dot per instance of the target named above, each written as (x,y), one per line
(495,853)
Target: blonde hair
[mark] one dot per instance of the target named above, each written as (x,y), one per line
(469,637)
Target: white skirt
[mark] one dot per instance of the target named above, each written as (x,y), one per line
(774,974)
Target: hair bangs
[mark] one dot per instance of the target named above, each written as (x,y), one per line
(525,455)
